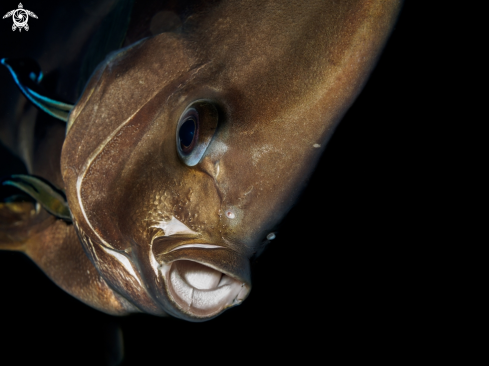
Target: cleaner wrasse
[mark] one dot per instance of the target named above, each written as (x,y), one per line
(187,148)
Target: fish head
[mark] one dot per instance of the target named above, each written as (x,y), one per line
(184,153)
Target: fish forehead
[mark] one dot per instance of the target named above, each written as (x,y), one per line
(122,85)
(274,51)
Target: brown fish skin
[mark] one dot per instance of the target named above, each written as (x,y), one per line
(53,245)
(282,75)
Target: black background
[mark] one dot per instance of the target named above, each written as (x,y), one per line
(350,294)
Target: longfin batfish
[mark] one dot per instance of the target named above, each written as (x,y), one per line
(188,147)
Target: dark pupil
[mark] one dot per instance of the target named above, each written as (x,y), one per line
(186,133)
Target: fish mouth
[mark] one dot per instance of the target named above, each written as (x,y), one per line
(201,291)
(204,280)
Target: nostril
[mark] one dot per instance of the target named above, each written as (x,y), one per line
(197,275)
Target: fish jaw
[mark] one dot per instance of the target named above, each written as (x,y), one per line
(200,292)
(198,282)
(195,282)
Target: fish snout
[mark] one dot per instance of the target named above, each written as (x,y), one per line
(203,280)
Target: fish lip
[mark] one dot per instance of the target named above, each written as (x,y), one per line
(162,245)
(195,245)
(209,255)
(197,304)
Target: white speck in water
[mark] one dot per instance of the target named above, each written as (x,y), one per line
(316,146)
(271,236)
(230,214)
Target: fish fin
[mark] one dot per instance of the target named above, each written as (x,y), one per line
(51,199)
(15,218)
(27,75)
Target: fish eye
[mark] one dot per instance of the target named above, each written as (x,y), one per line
(189,132)
(195,130)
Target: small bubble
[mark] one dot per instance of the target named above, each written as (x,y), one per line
(230,214)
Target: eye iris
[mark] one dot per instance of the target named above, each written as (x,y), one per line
(186,133)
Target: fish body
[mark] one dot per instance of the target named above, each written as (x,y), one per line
(187,148)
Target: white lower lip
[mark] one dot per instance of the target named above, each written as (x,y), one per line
(201,290)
